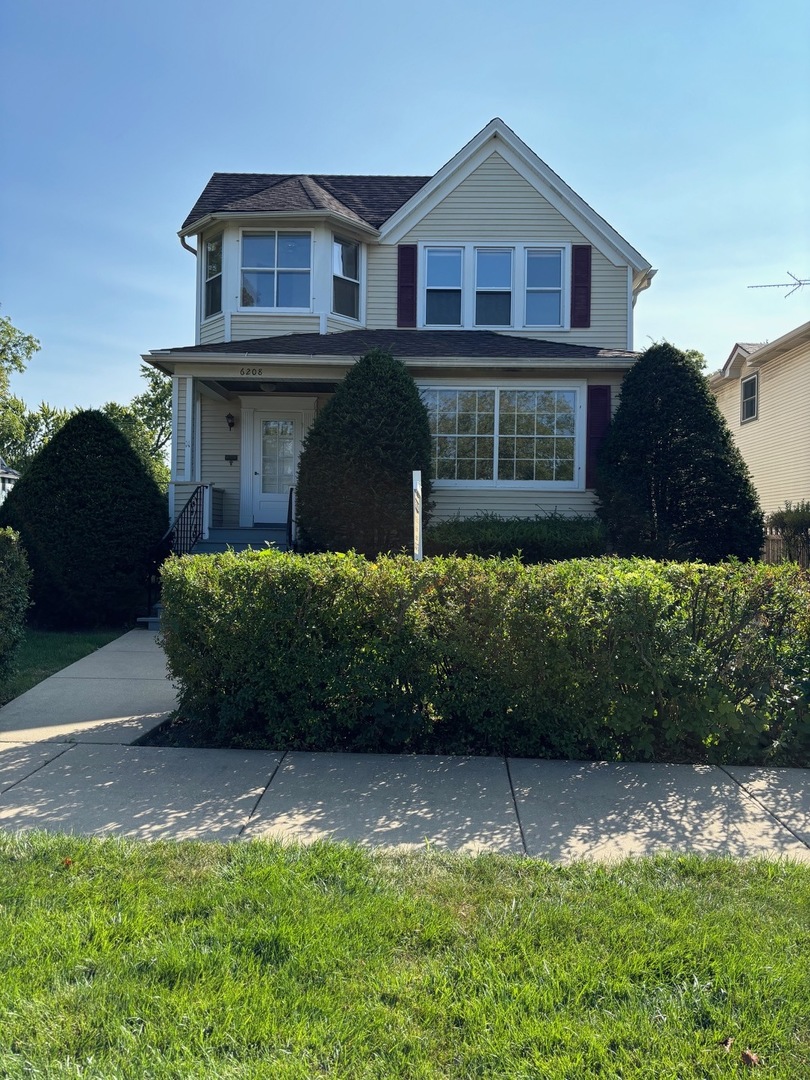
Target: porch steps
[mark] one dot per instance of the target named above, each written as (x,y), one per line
(257,537)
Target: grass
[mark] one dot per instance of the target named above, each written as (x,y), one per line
(122,959)
(44,652)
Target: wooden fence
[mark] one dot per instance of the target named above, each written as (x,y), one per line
(777,551)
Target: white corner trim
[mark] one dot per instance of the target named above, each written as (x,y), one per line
(188,451)
(246,474)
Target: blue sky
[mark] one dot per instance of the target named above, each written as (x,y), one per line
(686,125)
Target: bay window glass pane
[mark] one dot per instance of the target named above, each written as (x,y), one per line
(345,259)
(213,296)
(293,251)
(443,307)
(493,269)
(258,249)
(544,270)
(346,299)
(444,268)
(213,256)
(293,290)
(258,289)
(543,309)
(493,308)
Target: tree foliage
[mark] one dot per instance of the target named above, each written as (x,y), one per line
(672,484)
(354,485)
(16,349)
(88,512)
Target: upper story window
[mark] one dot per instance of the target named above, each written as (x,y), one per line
(510,285)
(212,270)
(749,398)
(346,278)
(276,270)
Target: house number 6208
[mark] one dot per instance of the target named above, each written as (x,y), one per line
(251,371)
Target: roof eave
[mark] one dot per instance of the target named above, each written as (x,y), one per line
(260,216)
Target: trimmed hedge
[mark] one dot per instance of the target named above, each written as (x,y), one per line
(14,581)
(544,538)
(605,658)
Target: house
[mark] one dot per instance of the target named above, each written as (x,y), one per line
(763,391)
(507,296)
(8,478)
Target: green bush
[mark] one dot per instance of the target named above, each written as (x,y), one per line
(671,482)
(602,658)
(14,581)
(88,512)
(544,538)
(792,523)
(355,484)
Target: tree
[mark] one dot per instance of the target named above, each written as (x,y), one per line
(672,484)
(16,349)
(88,512)
(154,408)
(354,486)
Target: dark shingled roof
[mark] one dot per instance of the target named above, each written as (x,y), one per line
(366,199)
(411,344)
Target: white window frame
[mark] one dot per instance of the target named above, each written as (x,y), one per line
(580,389)
(519,251)
(257,231)
(205,278)
(755,380)
(360,279)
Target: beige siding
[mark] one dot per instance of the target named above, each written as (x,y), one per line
(776,446)
(449,502)
(496,204)
(245,326)
(212,330)
(216,442)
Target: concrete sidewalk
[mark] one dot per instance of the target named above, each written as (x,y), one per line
(67,763)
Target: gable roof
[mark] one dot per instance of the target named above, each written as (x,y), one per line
(406,344)
(749,354)
(366,200)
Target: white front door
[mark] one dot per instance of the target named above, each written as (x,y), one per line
(275,460)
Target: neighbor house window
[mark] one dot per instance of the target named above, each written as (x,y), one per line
(503,436)
(213,276)
(443,269)
(544,283)
(749,398)
(493,287)
(346,278)
(276,270)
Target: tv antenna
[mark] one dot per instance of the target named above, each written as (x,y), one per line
(794,285)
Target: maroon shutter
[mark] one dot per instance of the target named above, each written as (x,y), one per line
(406,285)
(580,285)
(597,426)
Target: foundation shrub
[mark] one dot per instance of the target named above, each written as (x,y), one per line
(601,658)
(14,581)
(543,538)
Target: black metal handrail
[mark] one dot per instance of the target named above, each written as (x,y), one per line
(179,539)
(290,513)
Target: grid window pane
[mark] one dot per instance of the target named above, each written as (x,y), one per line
(258,289)
(293,290)
(259,249)
(213,256)
(293,250)
(443,268)
(213,296)
(493,270)
(346,259)
(543,309)
(544,270)
(346,298)
(493,309)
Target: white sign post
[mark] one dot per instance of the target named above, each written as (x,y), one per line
(417,515)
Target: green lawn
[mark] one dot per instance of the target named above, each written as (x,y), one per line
(251,960)
(45,651)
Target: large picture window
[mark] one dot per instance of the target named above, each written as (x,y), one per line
(504,436)
(276,270)
(212,301)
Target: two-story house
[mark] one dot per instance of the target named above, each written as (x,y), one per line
(509,299)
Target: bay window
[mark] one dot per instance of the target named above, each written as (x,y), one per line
(346,278)
(276,269)
(497,436)
(212,275)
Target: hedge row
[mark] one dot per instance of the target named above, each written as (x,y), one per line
(544,538)
(604,658)
(14,580)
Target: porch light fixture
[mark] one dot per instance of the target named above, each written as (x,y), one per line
(230,421)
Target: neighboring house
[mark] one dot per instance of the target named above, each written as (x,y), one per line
(763,392)
(8,478)
(508,298)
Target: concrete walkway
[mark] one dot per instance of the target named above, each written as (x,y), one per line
(67,763)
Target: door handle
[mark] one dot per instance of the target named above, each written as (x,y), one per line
(255,472)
